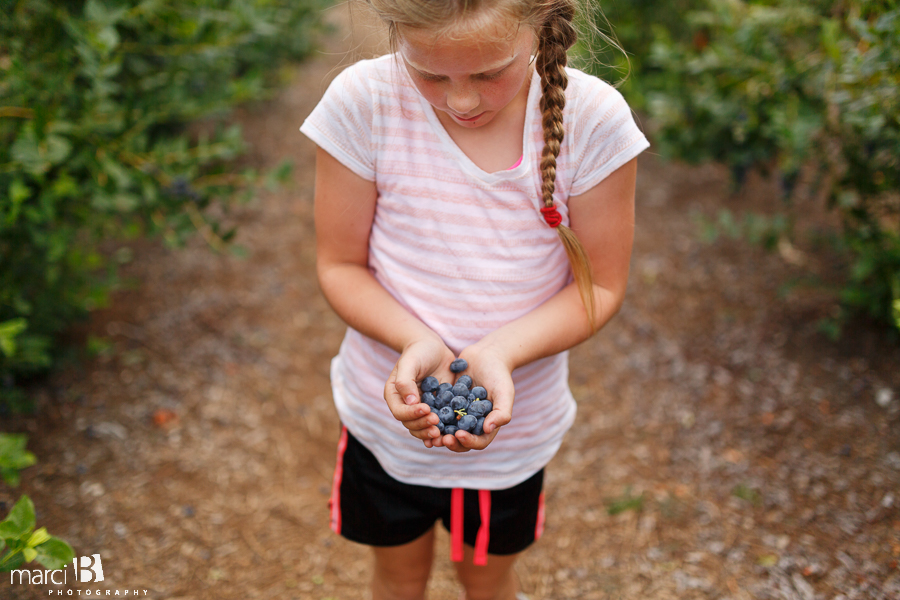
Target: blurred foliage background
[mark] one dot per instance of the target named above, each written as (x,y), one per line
(794,90)
(95,99)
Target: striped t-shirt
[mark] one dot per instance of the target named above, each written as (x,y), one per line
(463,250)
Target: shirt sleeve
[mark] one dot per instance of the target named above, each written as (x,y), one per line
(605,135)
(341,123)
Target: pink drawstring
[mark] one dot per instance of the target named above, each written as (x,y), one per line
(456,524)
(484,531)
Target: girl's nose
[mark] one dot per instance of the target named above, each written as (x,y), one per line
(462,101)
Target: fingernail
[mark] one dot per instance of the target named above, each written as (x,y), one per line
(411,399)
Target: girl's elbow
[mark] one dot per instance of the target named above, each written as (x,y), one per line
(608,302)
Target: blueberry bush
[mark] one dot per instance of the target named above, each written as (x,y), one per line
(95,99)
(783,88)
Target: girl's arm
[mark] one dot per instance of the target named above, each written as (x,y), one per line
(344,210)
(603,220)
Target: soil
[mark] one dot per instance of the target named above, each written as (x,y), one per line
(724,448)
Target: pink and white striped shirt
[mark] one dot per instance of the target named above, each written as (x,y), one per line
(463,250)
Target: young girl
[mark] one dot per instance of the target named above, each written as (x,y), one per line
(474,199)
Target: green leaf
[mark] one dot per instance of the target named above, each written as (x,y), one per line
(8,332)
(20,520)
(279,175)
(625,502)
(25,151)
(38,537)
(57,149)
(10,476)
(29,553)
(95,11)
(12,560)
(18,192)
(65,187)
(54,553)
(13,454)
(117,172)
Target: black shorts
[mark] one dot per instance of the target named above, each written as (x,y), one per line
(371,507)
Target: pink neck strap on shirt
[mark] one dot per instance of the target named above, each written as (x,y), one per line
(518,162)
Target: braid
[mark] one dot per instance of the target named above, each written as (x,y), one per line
(556,36)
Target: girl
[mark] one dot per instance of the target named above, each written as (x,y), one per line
(448,174)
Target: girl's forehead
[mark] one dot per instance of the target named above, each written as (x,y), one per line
(493,43)
(472,32)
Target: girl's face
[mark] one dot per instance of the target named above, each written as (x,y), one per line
(472,79)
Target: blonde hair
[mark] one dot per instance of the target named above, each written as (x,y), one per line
(554,27)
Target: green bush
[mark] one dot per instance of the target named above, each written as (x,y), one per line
(776,86)
(94,99)
(19,542)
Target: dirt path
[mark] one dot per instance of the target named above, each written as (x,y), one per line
(723,448)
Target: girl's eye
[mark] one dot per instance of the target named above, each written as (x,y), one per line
(483,76)
(492,76)
(429,77)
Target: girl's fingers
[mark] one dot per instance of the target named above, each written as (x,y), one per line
(503,404)
(496,418)
(423,424)
(401,410)
(451,442)
(405,382)
(406,413)
(412,414)
(469,441)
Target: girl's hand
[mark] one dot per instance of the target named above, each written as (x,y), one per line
(419,359)
(490,369)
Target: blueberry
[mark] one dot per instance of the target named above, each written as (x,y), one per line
(447,415)
(479,392)
(479,408)
(436,410)
(459,403)
(465,380)
(460,390)
(429,384)
(443,399)
(479,426)
(459,365)
(450,429)
(471,397)
(441,426)
(467,423)
(490,406)
(428,398)
(444,387)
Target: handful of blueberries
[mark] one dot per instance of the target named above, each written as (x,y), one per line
(458,405)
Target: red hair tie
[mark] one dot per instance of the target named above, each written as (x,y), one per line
(551,215)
